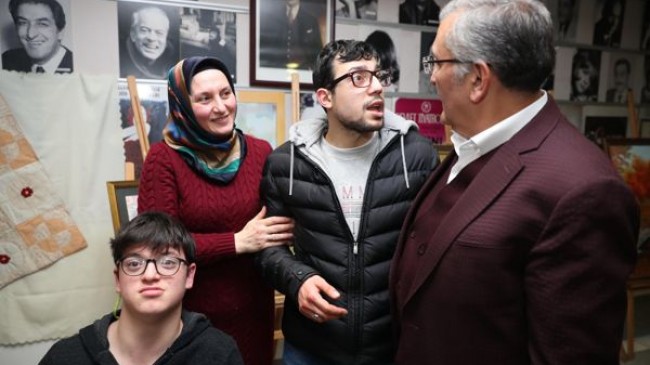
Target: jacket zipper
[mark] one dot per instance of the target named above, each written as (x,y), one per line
(354,296)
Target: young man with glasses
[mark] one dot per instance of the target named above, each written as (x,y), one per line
(518,247)
(154,265)
(347,180)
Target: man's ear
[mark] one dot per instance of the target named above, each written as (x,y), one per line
(189,280)
(116,278)
(480,78)
(324,98)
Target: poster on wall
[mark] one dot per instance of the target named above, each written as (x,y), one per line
(46,48)
(154,37)
(426,113)
(394,46)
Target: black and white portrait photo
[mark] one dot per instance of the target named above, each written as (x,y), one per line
(206,32)
(609,23)
(585,75)
(567,19)
(645,35)
(149,39)
(290,33)
(424,80)
(34,36)
(356,9)
(420,12)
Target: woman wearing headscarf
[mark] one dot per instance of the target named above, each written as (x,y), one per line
(206,172)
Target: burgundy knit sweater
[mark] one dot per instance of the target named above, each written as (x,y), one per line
(227,287)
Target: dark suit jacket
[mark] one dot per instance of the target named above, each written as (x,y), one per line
(17,59)
(530,264)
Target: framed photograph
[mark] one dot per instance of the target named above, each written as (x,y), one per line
(631,157)
(287,39)
(262,114)
(154,36)
(359,9)
(18,54)
(123,201)
(599,128)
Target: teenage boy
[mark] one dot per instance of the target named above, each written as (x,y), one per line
(151,327)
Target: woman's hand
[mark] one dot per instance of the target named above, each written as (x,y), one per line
(260,233)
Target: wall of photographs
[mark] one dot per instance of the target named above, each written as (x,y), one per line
(603,47)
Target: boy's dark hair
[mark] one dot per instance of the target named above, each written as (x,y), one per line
(55,7)
(344,51)
(154,230)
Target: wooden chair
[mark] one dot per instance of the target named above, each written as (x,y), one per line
(277,327)
(637,284)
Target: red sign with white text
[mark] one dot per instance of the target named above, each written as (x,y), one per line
(426,113)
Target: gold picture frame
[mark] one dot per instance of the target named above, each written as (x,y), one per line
(123,201)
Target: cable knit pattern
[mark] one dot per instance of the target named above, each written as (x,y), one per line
(227,288)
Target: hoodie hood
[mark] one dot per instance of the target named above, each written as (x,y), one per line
(308,131)
(304,134)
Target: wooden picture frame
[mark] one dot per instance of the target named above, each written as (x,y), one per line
(271,64)
(262,114)
(123,201)
(631,158)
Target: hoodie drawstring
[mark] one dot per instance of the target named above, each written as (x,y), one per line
(406,172)
(291,172)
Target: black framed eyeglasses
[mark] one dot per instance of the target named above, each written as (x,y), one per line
(363,78)
(164,265)
(429,63)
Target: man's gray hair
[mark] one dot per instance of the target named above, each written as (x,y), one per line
(514,37)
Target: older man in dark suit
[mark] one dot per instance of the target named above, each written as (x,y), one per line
(517,249)
(39,26)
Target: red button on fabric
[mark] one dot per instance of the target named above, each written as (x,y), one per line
(26,192)
(4,259)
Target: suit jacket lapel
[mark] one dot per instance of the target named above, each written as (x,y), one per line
(495,176)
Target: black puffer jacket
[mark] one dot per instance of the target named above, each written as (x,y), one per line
(294,185)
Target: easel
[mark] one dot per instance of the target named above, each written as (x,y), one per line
(279,298)
(129,168)
(639,280)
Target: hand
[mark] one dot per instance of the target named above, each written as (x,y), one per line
(312,304)
(260,233)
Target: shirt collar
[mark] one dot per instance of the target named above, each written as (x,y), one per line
(499,133)
(52,65)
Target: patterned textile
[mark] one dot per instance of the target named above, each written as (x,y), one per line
(217,159)
(72,123)
(35,228)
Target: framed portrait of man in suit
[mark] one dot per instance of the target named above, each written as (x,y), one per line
(35,36)
(286,37)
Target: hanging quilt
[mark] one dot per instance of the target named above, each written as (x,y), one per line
(35,228)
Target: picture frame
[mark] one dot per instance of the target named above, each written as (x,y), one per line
(182,28)
(262,114)
(631,158)
(123,201)
(271,65)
